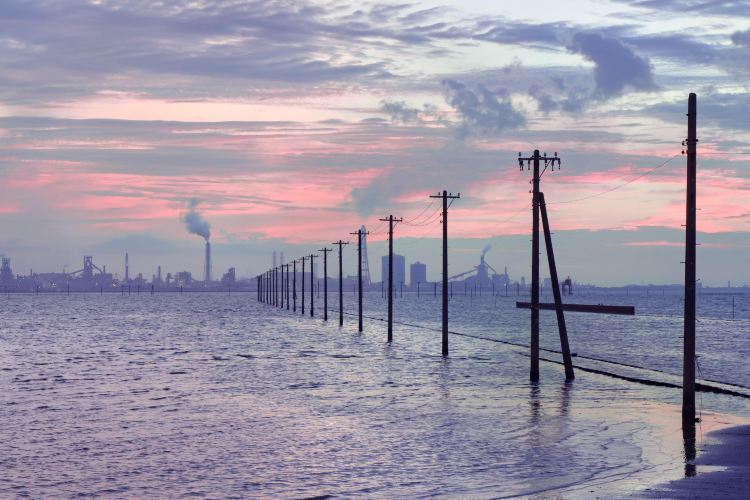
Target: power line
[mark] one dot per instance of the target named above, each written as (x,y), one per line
(607,191)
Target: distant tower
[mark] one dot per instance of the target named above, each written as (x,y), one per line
(274,260)
(207,270)
(6,273)
(158,274)
(88,267)
(127,268)
(365,262)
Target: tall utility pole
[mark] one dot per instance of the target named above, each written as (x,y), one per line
(294,286)
(312,295)
(281,283)
(445,196)
(535,159)
(688,361)
(325,281)
(286,268)
(303,259)
(359,234)
(341,280)
(390,220)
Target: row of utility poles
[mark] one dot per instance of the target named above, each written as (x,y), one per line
(268,282)
(273,285)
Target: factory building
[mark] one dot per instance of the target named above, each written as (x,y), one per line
(417,274)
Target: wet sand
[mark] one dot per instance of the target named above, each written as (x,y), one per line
(721,469)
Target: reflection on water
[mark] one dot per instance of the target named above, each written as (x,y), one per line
(688,438)
(215,395)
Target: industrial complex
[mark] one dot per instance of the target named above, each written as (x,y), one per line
(94,278)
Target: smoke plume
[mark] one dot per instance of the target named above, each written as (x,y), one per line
(194,222)
(487,248)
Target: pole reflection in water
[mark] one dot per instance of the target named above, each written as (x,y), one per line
(565,394)
(688,439)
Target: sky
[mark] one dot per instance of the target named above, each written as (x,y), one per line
(286,125)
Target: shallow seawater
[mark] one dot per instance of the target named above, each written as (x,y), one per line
(221,396)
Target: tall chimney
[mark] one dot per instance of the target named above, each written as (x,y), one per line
(207,271)
(127,268)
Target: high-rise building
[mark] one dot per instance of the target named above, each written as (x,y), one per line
(417,273)
(399,269)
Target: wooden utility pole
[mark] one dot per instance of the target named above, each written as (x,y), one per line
(564,346)
(325,281)
(445,197)
(341,244)
(294,286)
(535,159)
(688,362)
(303,259)
(359,234)
(390,219)
(312,286)
(287,285)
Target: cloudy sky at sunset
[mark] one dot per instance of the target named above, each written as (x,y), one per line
(292,123)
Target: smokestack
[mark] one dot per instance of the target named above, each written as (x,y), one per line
(207,271)
(274,259)
(158,273)
(127,268)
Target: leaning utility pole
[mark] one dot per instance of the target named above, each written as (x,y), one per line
(312,295)
(359,234)
(535,158)
(445,197)
(325,281)
(390,220)
(341,280)
(562,328)
(688,362)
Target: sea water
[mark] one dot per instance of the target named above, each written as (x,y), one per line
(219,395)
